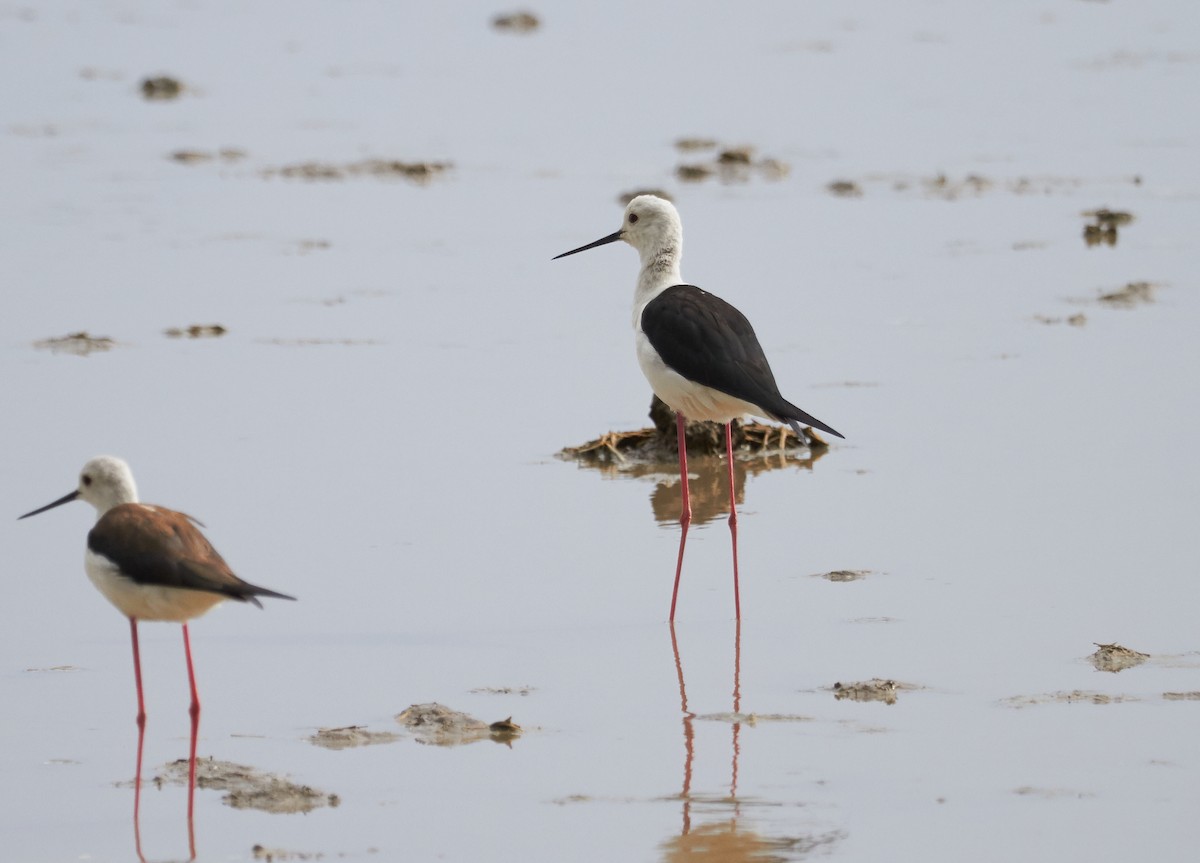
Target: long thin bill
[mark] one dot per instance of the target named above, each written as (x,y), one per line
(67,498)
(603,241)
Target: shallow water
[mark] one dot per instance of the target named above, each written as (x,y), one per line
(376,432)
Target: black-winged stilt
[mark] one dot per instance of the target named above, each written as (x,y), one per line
(699,353)
(150,562)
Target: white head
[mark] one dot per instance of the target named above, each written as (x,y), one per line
(104,482)
(651,225)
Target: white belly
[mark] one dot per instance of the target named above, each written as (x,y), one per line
(145,602)
(694,401)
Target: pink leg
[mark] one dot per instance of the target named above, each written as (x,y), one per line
(685,518)
(737,704)
(137,675)
(137,788)
(689,739)
(737,598)
(194,712)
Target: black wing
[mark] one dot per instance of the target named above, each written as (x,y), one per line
(708,341)
(156,546)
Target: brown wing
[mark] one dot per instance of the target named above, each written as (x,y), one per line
(157,546)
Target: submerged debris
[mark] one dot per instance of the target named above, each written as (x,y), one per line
(1116,657)
(839,575)
(660,443)
(195,331)
(502,690)
(80,344)
(1103,227)
(1077,696)
(350,736)
(691,144)
(438,725)
(516,22)
(869,690)
(247,788)
(1133,294)
(192,157)
(1078,319)
(731,164)
(845,189)
(161,88)
(418,172)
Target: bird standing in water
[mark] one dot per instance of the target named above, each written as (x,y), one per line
(698,352)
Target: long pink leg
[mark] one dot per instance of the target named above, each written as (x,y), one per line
(137,789)
(737,597)
(137,673)
(194,712)
(685,518)
(689,739)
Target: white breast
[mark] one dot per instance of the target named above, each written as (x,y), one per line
(145,602)
(693,400)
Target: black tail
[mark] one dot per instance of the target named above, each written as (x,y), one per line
(250,593)
(795,416)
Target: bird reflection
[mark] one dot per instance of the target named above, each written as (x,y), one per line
(191,791)
(719,840)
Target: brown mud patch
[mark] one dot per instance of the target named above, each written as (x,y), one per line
(1076,320)
(1076,696)
(660,444)
(77,344)
(438,725)
(1103,226)
(729,165)
(951,188)
(1116,657)
(418,172)
(875,689)
(350,736)
(196,157)
(1130,296)
(161,88)
(503,690)
(245,787)
(841,575)
(516,22)
(196,331)
(1181,696)
(1051,793)
(752,719)
(279,855)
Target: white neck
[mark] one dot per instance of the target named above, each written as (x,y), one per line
(660,270)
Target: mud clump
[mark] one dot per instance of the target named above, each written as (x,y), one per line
(247,788)
(1133,294)
(1181,696)
(730,165)
(195,331)
(1103,227)
(195,157)
(417,172)
(1078,319)
(661,443)
(350,736)
(845,189)
(1076,696)
(78,344)
(161,88)
(438,725)
(875,689)
(516,22)
(841,575)
(1116,657)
